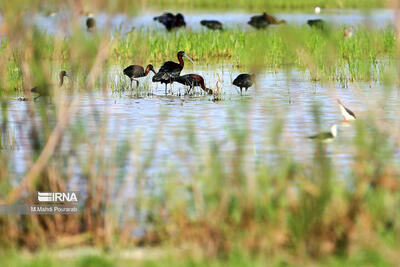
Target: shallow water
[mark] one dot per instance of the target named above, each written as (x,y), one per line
(373,18)
(289,96)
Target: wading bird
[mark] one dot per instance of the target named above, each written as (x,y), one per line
(348,32)
(264,20)
(171,21)
(326,137)
(44,89)
(347,114)
(90,23)
(136,71)
(192,80)
(212,24)
(244,81)
(316,23)
(170,70)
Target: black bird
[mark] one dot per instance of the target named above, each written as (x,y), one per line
(192,80)
(90,24)
(179,21)
(136,71)
(316,23)
(171,21)
(326,137)
(212,24)
(44,89)
(264,20)
(170,70)
(244,81)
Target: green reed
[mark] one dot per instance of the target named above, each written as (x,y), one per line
(367,56)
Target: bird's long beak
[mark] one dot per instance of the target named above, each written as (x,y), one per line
(188,58)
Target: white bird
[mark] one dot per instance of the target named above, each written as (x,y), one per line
(326,137)
(317,10)
(347,114)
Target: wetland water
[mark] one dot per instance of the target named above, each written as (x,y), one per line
(288,96)
(372,18)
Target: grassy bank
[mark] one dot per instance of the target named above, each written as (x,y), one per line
(370,55)
(327,56)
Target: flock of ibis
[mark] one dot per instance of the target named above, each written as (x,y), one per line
(170,72)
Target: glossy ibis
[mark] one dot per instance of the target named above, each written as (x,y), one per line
(136,71)
(170,70)
(326,137)
(244,81)
(44,89)
(212,24)
(264,20)
(192,80)
(171,21)
(316,23)
(347,114)
(90,23)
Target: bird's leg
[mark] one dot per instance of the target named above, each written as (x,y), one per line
(131,83)
(137,83)
(240,90)
(166,88)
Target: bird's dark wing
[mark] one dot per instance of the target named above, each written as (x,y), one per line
(350,112)
(321,136)
(162,77)
(258,21)
(172,68)
(134,71)
(243,80)
(181,79)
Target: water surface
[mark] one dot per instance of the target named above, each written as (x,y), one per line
(286,96)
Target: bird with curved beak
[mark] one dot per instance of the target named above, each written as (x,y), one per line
(62,74)
(170,70)
(43,90)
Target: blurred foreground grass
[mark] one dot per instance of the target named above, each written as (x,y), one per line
(362,258)
(125,6)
